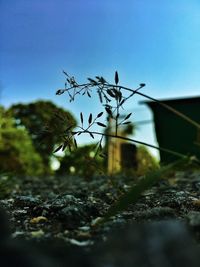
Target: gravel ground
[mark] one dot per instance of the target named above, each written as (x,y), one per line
(52,223)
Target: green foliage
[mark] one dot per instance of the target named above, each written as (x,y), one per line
(17,153)
(146,161)
(81,162)
(45,123)
(128,129)
(7,184)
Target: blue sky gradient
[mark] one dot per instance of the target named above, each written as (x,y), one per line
(155,42)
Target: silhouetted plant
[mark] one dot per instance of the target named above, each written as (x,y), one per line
(113,98)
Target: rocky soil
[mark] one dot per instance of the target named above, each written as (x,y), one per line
(52,221)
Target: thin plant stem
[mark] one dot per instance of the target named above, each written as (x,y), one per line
(117,116)
(180,155)
(178,113)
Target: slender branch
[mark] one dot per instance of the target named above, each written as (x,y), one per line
(103,87)
(139,142)
(178,113)
(116,121)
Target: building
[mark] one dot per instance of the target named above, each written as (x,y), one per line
(121,154)
(175,132)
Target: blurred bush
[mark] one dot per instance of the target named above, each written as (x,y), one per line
(17,153)
(82,162)
(8,183)
(146,161)
(46,125)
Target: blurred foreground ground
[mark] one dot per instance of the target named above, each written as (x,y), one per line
(51,223)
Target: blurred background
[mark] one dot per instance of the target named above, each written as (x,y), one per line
(145,41)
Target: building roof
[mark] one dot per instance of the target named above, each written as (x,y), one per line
(193,99)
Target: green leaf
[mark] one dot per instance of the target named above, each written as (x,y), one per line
(102,80)
(60,92)
(65,73)
(116,92)
(101,124)
(92,81)
(100,114)
(90,118)
(142,84)
(116,78)
(128,116)
(69,128)
(65,145)
(127,122)
(91,135)
(110,93)
(58,148)
(100,147)
(109,111)
(81,116)
(122,102)
(100,96)
(75,143)
(119,96)
(69,147)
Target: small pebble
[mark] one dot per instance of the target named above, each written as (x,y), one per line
(38,219)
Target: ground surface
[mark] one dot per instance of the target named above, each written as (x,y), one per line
(52,220)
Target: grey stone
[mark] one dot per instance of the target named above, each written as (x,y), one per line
(155,244)
(194,218)
(27,201)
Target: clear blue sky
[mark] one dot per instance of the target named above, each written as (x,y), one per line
(155,42)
